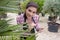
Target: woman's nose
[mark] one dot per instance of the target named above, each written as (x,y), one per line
(31,14)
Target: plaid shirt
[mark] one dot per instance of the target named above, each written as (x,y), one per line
(20,20)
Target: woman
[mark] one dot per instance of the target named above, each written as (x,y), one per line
(30,16)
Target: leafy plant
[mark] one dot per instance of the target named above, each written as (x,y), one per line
(52,7)
(6,28)
(40,3)
(10,5)
(32,37)
(11,32)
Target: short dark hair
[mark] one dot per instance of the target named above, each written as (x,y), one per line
(33,4)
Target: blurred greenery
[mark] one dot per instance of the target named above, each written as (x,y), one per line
(11,32)
(52,7)
(7,28)
(9,5)
(39,3)
(8,31)
(32,37)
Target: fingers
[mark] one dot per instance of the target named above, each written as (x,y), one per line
(40,30)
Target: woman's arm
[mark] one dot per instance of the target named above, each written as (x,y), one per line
(20,19)
(38,28)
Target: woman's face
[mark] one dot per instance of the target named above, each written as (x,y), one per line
(30,11)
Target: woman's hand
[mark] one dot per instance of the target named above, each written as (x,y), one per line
(40,30)
(31,26)
(30,23)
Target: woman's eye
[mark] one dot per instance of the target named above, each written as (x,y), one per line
(34,12)
(29,10)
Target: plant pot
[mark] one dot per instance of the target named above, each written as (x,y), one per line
(53,27)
